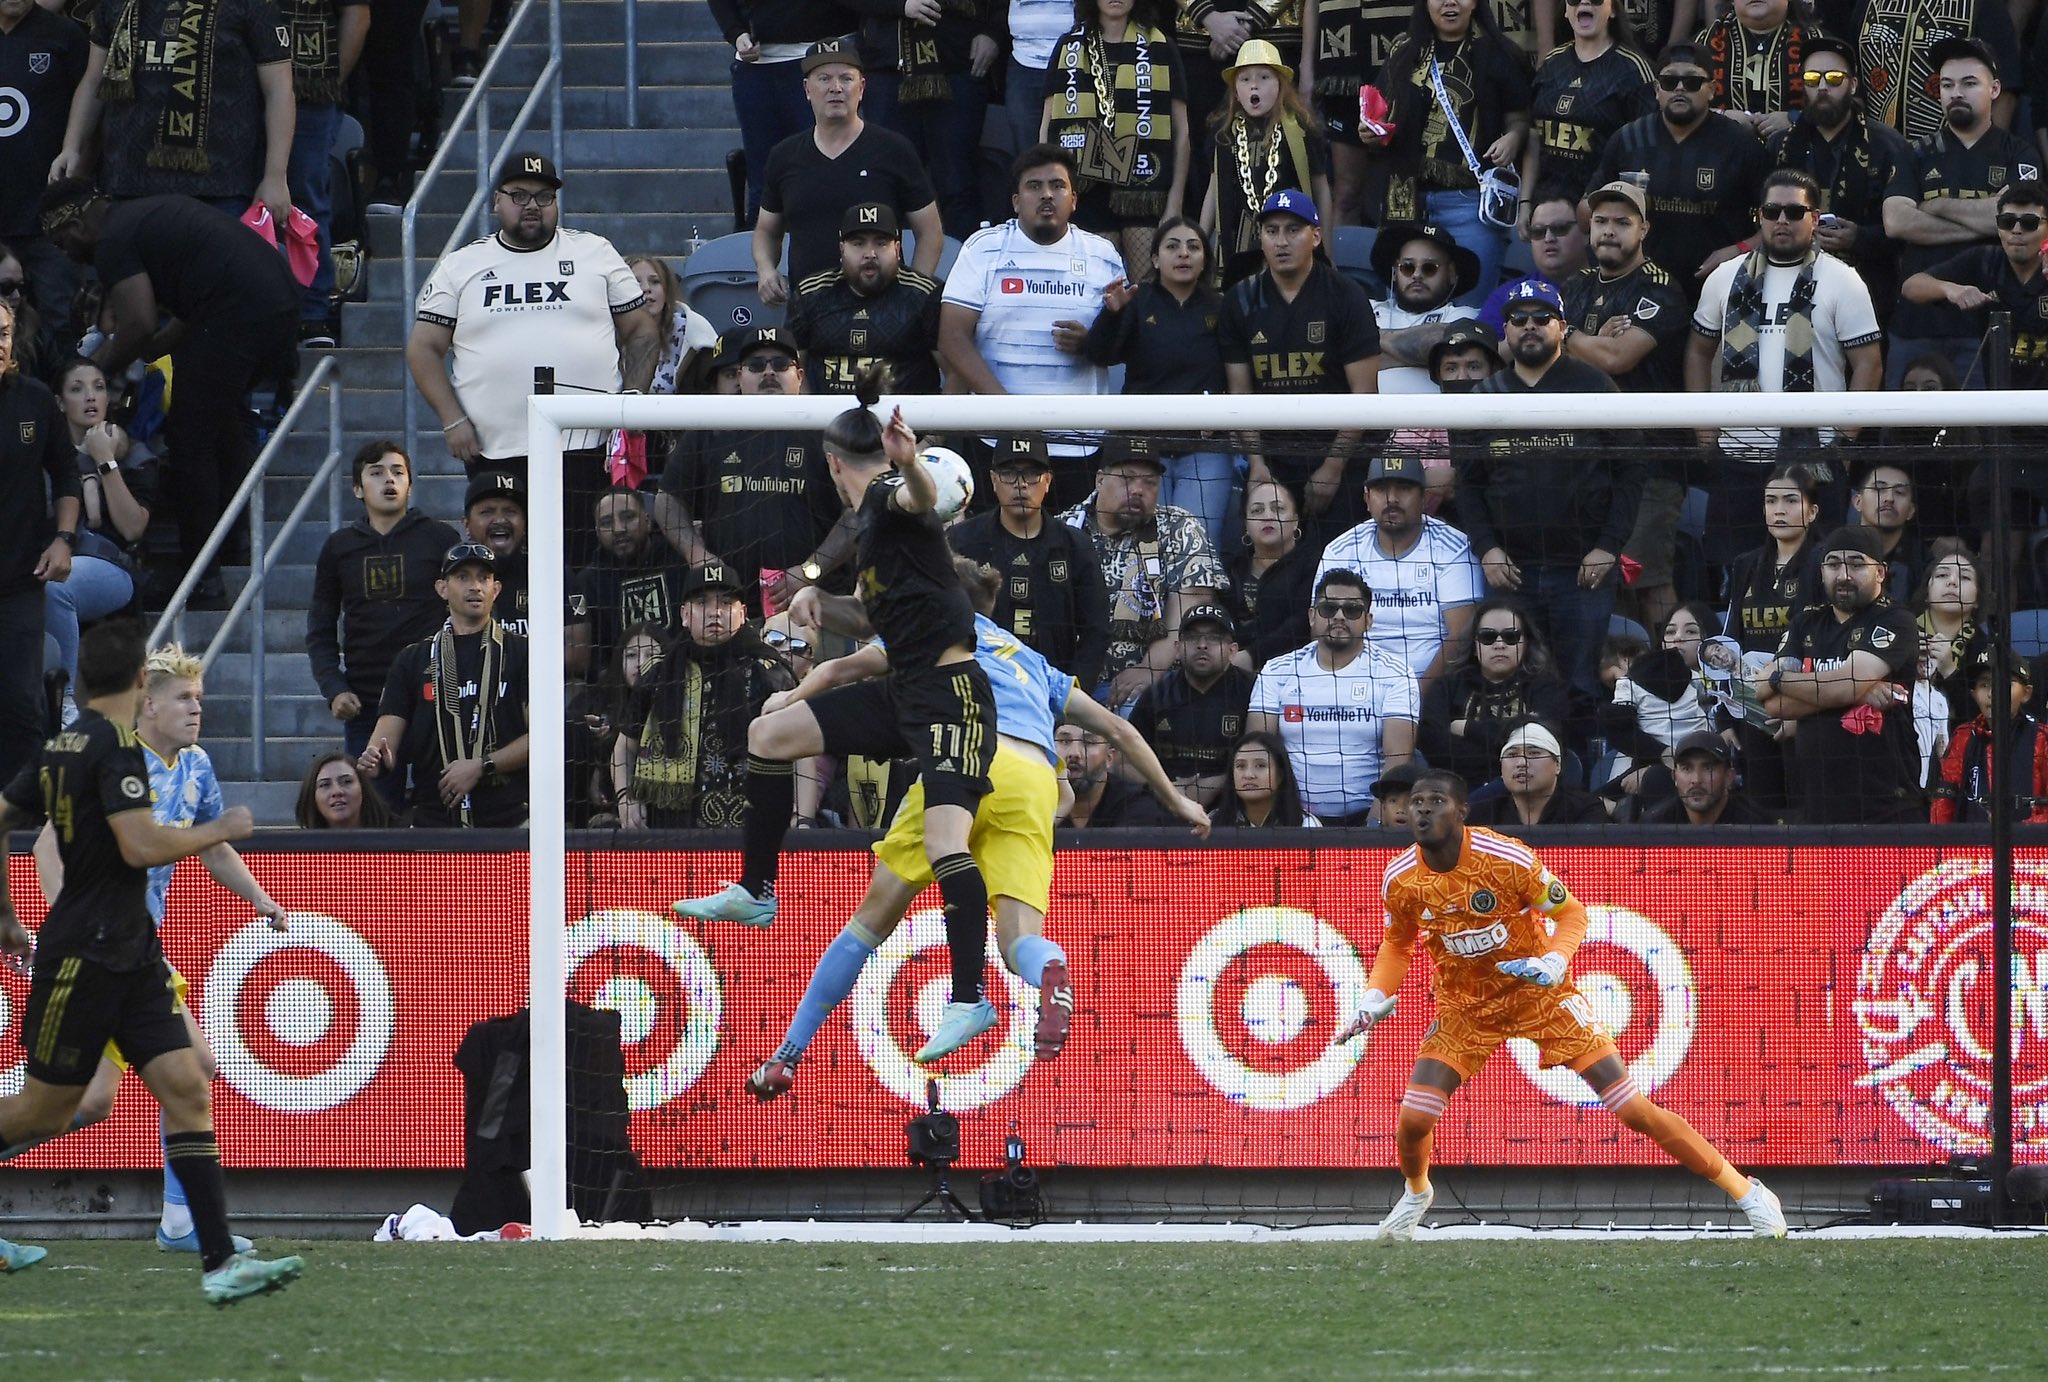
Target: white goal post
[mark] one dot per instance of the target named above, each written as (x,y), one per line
(550,415)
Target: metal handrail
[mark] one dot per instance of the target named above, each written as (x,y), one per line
(477,106)
(263,553)
(632,64)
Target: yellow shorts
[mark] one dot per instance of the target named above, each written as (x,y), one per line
(1562,1026)
(179,987)
(1012,836)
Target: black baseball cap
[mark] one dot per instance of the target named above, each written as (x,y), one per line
(1401,779)
(734,346)
(529,166)
(1846,539)
(1395,467)
(1464,336)
(1209,614)
(1985,664)
(1947,50)
(870,218)
(1020,451)
(1703,741)
(1398,235)
(831,50)
(469,554)
(710,575)
(486,483)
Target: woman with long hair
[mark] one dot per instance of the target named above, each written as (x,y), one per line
(1272,576)
(1264,139)
(1585,90)
(1116,99)
(687,339)
(1260,790)
(1954,595)
(1503,678)
(333,796)
(1767,586)
(1163,332)
(1453,83)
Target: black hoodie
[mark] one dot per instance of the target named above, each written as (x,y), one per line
(372,595)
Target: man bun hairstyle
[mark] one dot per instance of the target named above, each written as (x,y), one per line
(855,436)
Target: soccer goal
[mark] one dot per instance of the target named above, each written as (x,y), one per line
(1210,978)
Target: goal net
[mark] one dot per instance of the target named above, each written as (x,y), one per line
(1809,988)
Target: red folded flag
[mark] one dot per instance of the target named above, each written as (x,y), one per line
(1373,111)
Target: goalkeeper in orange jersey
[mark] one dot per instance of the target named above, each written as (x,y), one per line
(1479,902)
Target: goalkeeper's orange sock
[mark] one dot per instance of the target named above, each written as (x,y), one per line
(1626,1101)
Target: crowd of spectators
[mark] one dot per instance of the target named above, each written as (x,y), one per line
(1591,198)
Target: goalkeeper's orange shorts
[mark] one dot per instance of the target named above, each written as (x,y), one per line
(1559,1021)
(179,987)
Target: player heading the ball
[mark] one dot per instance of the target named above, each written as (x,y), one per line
(1479,903)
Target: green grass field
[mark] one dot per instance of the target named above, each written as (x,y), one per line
(1492,1309)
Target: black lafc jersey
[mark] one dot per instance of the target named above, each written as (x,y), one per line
(1987,267)
(907,581)
(842,333)
(612,598)
(1764,596)
(1300,346)
(1194,732)
(1946,167)
(1579,105)
(766,499)
(1859,763)
(78,782)
(1703,190)
(1646,295)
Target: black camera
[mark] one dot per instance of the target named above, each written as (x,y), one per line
(934,1136)
(1013,1194)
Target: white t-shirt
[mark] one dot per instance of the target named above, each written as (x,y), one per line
(1667,721)
(1333,721)
(1021,288)
(1035,29)
(1842,318)
(1410,592)
(518,310)
(1394,317)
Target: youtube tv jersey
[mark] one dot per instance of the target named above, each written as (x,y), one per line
(1021,288)
(514,311)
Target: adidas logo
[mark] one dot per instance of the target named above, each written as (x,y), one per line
(945,765)
(1258,338)
(490,276)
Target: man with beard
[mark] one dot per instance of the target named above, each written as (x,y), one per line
(1345,709)
(1961,168)
(870,308)
(1052,598)
(1156,563)
(1193,716)
(1899,44)
(764,499)
(1629,322)
(1845,675)
(494,513)
(1858,162)
(634,579)
(1548,511)
(1783,318)
(1557,247)
(1885,505)
(1101,795)
(680,761)
(1700,169)
(1019,301)
(1703,770)
(1425,269)
(1532,769)
(534,295)
(1424,579)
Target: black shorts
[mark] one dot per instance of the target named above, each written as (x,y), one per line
(944,717)
(75,1007)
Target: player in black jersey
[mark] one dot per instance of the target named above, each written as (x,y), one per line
(935,705)
(871,308)
(99,972)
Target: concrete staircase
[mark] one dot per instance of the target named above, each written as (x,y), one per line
(645,189)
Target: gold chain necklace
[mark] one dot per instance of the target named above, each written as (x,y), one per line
(1105,102)
(1256,197)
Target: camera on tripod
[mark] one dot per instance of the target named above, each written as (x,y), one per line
(1013,1194)
(934,1136)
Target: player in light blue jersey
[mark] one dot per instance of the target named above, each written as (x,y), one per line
(1011,839)
(184,792)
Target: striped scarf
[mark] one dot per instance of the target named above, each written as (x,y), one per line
(456,736)
(1742,337)
(188,99)
(1115,116)
(1728,61)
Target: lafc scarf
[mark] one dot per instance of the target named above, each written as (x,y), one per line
(917,56)
(316,50)
(1760,83)
(1113,112)
(1849,185)
(188,99)
(1743,330)
(702,702)
(475,736)
(1250,161)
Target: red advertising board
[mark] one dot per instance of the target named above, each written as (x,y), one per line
(1801,1006)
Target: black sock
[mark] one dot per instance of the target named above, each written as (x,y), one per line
(195,1156)
(771,796)
(960,883)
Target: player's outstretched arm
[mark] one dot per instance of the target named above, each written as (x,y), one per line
(231,871)
(49,863)
(1089,715)
(144,844)
(919,494)
(862,664)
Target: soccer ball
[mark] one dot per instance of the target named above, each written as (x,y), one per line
(955,481)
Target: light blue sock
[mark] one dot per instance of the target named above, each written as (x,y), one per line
(1033,954)
(837,972)
(177,1219)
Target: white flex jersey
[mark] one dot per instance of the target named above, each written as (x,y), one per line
(1021,288)
(516,311)
(1332,721)
(1410,592)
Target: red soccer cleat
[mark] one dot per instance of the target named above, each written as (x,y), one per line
(771,1081)
(1055,1010)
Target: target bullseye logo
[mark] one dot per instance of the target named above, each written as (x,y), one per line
(664,988)
(299,1021)
(1260,997)
(870,1008)
(13,112)
(1614,1003)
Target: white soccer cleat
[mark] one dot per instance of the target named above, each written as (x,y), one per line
(730,903)
(962,1023)
(1766,1216)
(1399,1226)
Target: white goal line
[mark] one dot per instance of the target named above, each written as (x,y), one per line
(941,1234)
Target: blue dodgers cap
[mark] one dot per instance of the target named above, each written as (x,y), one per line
(1295,203)
(1534,290)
